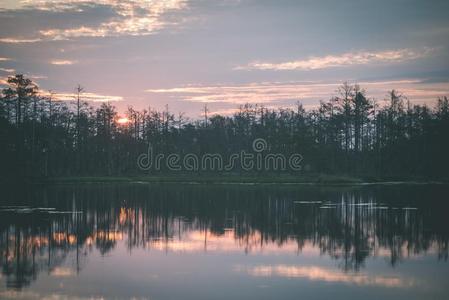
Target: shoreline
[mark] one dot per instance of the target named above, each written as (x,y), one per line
(319,180)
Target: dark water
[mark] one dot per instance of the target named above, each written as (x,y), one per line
(224,242)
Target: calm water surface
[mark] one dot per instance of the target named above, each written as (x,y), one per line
(224,242)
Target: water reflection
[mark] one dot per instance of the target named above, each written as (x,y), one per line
(316,273)
(41,227)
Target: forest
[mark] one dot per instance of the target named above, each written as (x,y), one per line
(349,134)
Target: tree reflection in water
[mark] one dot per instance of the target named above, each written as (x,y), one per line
(40,227)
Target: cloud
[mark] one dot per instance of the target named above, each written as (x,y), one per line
(249,93)
(18,40)
(13,294)
(280,93)
(64,96)
(193,241)
(28,295)
(315,273)
(62,272)
(345,59)
(37,77)
(62,62)
(4,80)
(132,17)
(7,70)
(92,97)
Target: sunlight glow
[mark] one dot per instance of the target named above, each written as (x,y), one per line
(123,121)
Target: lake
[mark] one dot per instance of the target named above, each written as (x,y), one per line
(192,241)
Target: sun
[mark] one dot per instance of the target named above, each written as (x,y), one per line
(123,121)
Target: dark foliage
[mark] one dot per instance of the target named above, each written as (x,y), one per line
(349,134)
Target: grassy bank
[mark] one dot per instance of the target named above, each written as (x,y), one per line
(212,179)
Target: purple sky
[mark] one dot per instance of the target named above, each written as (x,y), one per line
(226,53)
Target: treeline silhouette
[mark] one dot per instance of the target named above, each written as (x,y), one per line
(41,227)
(349,134)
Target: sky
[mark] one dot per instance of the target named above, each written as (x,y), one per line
(225,53)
